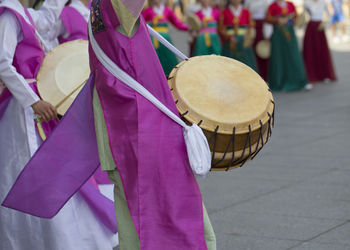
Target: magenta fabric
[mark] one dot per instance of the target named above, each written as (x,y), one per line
(75,25)
(148,147)
(168,16)
(61,167)
(317,57)
(101,177)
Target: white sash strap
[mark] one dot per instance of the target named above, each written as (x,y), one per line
(162,40)
(197,144)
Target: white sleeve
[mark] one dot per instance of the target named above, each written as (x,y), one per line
(10,36)
(48,15)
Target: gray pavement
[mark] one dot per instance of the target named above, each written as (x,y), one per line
(296,193)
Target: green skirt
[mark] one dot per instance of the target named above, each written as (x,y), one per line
(286,68)
(166,57)
(244,55)
(200,48)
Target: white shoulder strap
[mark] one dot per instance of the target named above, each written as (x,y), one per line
(171,47)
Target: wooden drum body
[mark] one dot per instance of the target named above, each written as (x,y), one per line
(229,101)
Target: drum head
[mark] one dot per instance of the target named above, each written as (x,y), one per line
(194,22)
(222,93)
(63,69)
(263,49)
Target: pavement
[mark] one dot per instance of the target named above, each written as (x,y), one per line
(296,193)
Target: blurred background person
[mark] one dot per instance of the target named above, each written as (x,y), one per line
(207,42)
(317,57)
(286,66)
(158,15)
(235,23)
(337,18)
(258,9)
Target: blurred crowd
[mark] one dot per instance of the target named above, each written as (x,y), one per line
(259,33)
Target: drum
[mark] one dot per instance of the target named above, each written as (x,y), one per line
(301,20)
(63,73)
(263,49)
(229,101)
(249,38)
(194,22)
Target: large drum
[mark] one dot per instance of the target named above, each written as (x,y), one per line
(229,101)
(63,74)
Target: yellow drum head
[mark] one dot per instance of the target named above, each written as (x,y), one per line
(62,71)
(221,91)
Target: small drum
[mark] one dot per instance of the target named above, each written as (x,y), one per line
(229,101)
(263,49)
(194,22)
(63,73)
(301,20)
(249,38)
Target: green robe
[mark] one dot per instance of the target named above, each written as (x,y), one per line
(201,48)
(286,68)
(244,55)
(166,57)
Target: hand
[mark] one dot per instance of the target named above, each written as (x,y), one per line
(233,40)
(282,20)
(194,33)
(45,110)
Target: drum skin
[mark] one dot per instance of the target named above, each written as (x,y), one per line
(64,68)
(231,103)
(263,49)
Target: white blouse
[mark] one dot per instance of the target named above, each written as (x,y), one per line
(258,8)
(316,9)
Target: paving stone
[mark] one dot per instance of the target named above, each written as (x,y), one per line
(231,221)
(340,235)
(316,246)
(222,189)
(300,200)
(240,242)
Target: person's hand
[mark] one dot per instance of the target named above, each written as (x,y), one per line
(45,110)
(194,33)
(282,20)
(233,40)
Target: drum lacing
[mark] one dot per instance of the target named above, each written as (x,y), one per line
(183,114)
(214,136)
(257,150)
(228,146)
(252,153)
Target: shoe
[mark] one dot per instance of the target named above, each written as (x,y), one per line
(309,86)
(345,39)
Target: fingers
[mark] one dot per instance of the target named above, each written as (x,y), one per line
(51,112)
(46,111)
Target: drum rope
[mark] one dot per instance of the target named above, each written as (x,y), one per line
(233,149)
(226,151)
(215,137)
(257,150)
